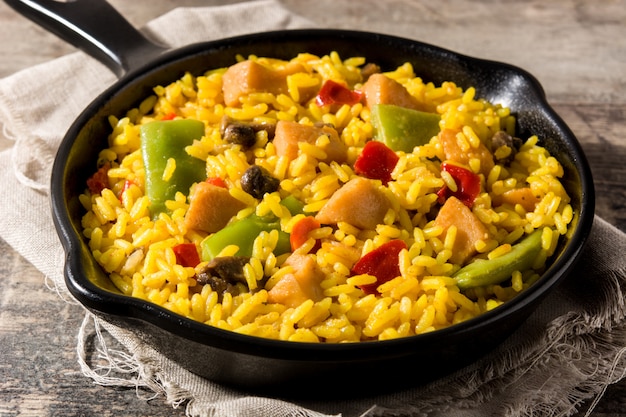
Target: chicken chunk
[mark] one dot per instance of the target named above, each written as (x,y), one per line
(454,152)
(469,229)
(380,89)
(522,196)
(289,134)
(210,207)
(359,202)
(301,285)
(248,77)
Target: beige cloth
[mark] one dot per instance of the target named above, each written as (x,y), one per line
(569,350)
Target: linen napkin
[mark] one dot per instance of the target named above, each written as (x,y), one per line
(567,352)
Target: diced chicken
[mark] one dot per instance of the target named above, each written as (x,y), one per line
(210,207)
(248,77)
(469,229)
(303,284)
(522,196)
(454,152)
(289,134)
(380,89)
(369,69)
(359,202)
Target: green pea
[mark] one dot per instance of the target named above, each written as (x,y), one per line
(161,140)
(498,270)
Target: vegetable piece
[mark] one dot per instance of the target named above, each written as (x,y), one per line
(498,270)
(243,139)
(334,93)
(217,181)
(456,153)
(376,161)
(402,129)
(229,268)
(301,285)
(382,262)
(380,89)
(210,207)
(248,77)
(294,205)
(160,141)
(467,184)
(186,254)
(359,202)
(240,134)
(242,233)
(289,134)
(300,232)
(223,274)
(127,185)
(502,139)
(258,181)
(469,229)
(99,180)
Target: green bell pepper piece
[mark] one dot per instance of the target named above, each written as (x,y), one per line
(161,140)
(242,233)
(294,205)
(402,129)
(497,270)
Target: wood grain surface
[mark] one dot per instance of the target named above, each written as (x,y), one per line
(576,49)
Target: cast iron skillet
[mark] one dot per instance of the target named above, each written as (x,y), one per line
(266,365)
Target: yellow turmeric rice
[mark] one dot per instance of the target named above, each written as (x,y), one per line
(137,250)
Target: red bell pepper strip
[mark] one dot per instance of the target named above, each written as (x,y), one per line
(100,180)
(217,181)
(382,262)
(376,161)
(300,232)
(127,185)
(468,185)
(186,254)
(334,93)
(169,116)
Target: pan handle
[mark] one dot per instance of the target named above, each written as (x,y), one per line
(95,27)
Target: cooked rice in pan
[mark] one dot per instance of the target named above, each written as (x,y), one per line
(137,248)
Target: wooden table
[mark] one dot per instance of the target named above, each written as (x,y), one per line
(576,49)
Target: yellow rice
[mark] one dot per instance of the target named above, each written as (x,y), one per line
(136,250)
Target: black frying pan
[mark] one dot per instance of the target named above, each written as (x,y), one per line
(255,363)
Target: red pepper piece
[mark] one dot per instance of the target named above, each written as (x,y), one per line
(300,233)
(217,181)
(100,180)
(382,263)
(186,254)
(376,161)
(126,186)
(169,116)
(334,93)
(468,185)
